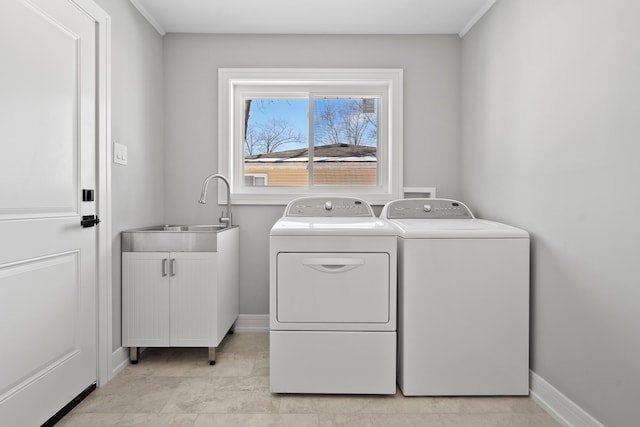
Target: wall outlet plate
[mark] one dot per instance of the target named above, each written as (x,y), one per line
(119,153)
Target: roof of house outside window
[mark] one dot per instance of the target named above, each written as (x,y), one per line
(321,153)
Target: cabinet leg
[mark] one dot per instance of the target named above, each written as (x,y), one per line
(231,329)
(133,354)
(212,355)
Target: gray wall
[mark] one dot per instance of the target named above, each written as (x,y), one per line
(136,121)
(431,121)
(551,125)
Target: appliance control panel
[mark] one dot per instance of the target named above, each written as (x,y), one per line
(427,208)
(328,207)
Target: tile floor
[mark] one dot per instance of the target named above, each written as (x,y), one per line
(177,387)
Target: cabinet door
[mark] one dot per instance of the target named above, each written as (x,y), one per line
(193,299)
(145,299)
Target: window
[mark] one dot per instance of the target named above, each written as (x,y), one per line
(291,132)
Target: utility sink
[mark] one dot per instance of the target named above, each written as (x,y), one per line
(199,227)
(174,238)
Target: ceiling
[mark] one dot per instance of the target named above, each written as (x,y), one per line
(313,16)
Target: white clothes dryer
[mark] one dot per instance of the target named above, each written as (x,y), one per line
(333,272)
(463,301)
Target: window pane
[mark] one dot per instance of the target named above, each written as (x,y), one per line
(276,142)
(345,133)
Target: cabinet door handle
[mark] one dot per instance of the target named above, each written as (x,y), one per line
(164,267)
(173,266)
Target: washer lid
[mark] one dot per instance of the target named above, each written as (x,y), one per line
(335,226)
(456,228)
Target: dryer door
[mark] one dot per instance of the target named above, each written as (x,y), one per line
(337,288)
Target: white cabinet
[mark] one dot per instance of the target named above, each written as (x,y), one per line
(180,299)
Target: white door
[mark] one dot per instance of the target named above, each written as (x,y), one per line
(48,307)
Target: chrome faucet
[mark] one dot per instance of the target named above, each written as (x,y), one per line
(226,218)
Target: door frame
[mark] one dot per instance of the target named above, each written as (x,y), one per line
(104,292)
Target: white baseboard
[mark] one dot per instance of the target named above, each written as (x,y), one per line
(119,361)
(252,323)
(559,406)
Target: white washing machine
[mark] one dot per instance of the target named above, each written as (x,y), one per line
(333,272)
(463,301)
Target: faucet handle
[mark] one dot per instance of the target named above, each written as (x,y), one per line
(224,218)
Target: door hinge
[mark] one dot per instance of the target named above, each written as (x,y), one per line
(89,221)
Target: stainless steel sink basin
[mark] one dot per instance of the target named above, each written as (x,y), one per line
(213,227)
(173,238)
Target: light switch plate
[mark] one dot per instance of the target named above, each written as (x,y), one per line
(119,153)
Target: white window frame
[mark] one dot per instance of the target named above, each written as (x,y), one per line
(234,83)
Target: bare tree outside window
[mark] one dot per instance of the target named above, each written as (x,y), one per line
(268,136)
(270,133)
(345,121)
